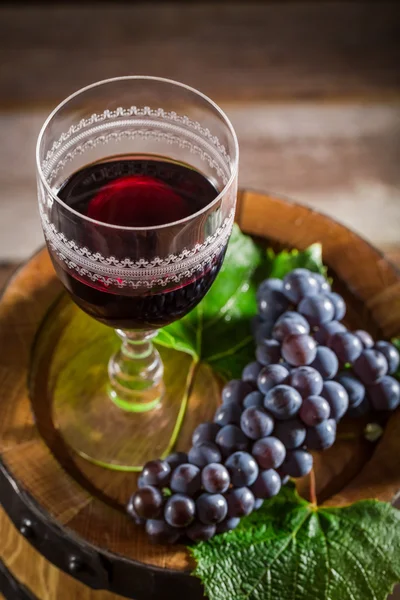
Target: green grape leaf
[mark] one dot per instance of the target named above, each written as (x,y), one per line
(291,549)
(282,263)
(396,344)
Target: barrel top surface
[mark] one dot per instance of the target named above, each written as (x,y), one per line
(85,503)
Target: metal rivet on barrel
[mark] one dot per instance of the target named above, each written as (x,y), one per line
(74,564)
(26,528)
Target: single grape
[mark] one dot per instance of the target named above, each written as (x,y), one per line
(156,472)
(251,371)
(299,350)
(130,509)
(270,376)
(391,354)
(258,502)
(284,478)
(324,285)
(254,399)
(205,432)
(228,524)
(141,483)
(271,284)
(354,388)
(267,484)
(160,532)
(234,391)
(314,410)
(346,346)
(325,362)
(230,439)
(261,329)
(321,436)
(256,423)
(215,478)
(240,502)
(370,366)
(327,330)
(186,479)
(179,510)
(147,502)
(283,402)
(300,283)
(204,454)
(271,302)
(306,380)
(199,532)
(360,410)
(337,398)
(338,304)
(175,459)
(269,452)
(317,309)
(365,338)
(385,394)
(242,468)
(291,433)
(228,413)
(288,324)
(297,463)
(211,508)
(268,353)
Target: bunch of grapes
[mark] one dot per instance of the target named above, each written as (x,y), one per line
(308,373)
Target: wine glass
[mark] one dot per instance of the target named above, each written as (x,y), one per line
(137,183)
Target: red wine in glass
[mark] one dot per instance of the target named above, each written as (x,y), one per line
(135,191)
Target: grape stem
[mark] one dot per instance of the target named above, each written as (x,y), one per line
(313,488)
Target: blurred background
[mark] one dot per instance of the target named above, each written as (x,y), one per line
(313,89)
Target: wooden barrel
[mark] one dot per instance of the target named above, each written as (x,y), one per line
(64,534)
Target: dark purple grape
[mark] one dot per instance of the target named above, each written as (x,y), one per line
(298,463)
(251,371)
(327,330)
(228,414)
(160,532)
(268,353)
(284,478)
(271,302)
(242,468)
(325,362)
(391,354)
(370,366)
(147,502)
(141,483)
(321,436)
(324,285)
(228,524)
(230,439)
(176,458)
(235,391)
(385,394)
(179,510)
(267,484)
(314,410)
(215,478)
(291,433)
(258,502)
(317,309)
(354,388)
(300,283)
(240,502)
(271,284)
(337,398)
(346,346)
(156,472)
(360,410)
(204,454)
(306,380)
(338,304)
(261,329)
(283,402)
(254,399)
(186,479)
(269,452)
(199,532)
(365,338)
(211,508)
(271,376)
(299,350)
(130,509)
(290,323)
(256,423)
(205,432)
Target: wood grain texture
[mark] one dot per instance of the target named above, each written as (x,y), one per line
(89,500)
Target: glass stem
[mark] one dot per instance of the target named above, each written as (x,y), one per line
(136,372)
